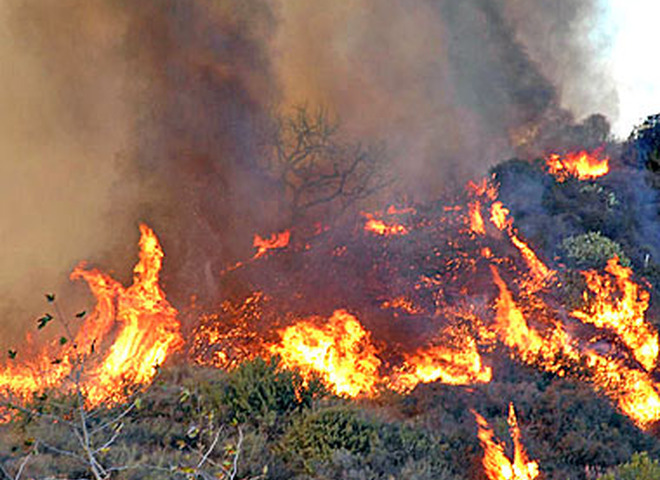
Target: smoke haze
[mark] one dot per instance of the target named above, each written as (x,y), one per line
(120,112)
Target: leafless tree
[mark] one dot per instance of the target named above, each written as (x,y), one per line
(314,166)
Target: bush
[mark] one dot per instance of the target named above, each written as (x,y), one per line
(338,440)
(260,391)
(591,251)
(640,467)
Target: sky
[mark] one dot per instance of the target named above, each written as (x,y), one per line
(634,59)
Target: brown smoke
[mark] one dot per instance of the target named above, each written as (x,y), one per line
(447,83)
(63,126)
(151,110)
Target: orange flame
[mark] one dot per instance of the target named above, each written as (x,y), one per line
(276,240)
(581,165)
(380,227)
(143,324)
(624,316)
(511,324)
(496,464)
(339,352)
(538,269)
(499,216)
(460,365)
(476,219)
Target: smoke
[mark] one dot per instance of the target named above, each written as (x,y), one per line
(120,112)
(448,84)
(63,127)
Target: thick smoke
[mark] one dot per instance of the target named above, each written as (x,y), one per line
(127,111)
(63,127)
(450,85)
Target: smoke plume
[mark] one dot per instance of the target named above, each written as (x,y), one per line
(120,112)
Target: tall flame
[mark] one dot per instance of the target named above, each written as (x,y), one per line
(497,465)
(136,328)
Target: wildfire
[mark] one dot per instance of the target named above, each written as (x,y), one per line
(453,365)
(135,326)
(624,315)
(581,165)
(275,241)
(380,227)
(497,465)
(499,216)
(339,352)
(476,219)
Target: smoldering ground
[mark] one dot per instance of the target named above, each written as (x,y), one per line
(119,112)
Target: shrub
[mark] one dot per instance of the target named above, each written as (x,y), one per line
(640,467)
(260,391)
(591,250)
(336,440)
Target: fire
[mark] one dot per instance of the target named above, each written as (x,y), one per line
(634,391)
(499,216)
(135,326)
(581,165)
(625,315)
(456,365)
(340,352)
(402,304)
(476,219)
(538,269)
(497,465)
(275,241)
(380,227)
(511,324)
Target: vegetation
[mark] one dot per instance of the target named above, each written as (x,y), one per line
(591,251)
(640,467)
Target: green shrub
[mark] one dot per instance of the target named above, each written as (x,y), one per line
(591,250)
(640,467)
(260,391)
(328,440)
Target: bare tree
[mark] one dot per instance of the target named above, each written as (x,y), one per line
(314,166)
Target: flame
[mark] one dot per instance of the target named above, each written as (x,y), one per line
(634,391)
(143,326)
(510,322)
(497,465)
(380,227)
(457,365)
(625,315)
(499,216)
(538,269)
(403,304)
(581,165)
(476,219)
(275,241)
(339,352)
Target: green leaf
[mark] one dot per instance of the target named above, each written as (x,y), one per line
(63,340)
(50,297)
(43,321)
(12,353)
(81,314)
